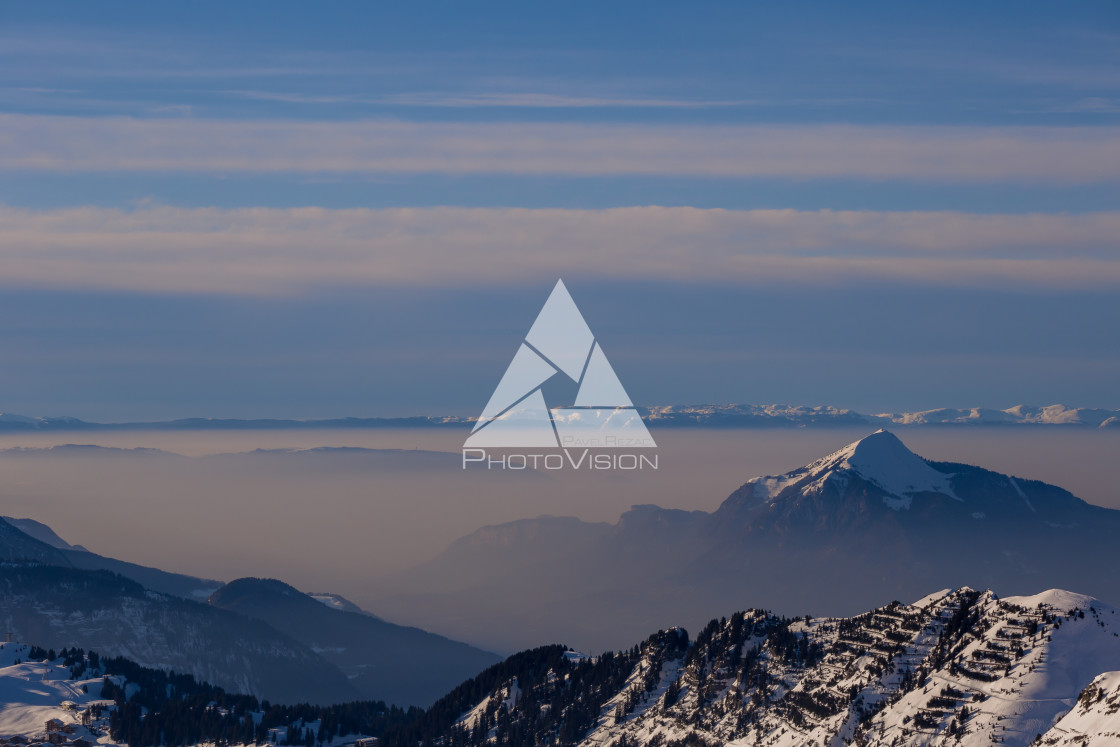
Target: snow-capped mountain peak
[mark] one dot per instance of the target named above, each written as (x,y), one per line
(884,460)
(881,459)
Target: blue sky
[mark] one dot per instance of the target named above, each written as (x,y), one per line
(280,209)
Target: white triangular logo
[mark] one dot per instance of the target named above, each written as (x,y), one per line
(600,386)
(559,343)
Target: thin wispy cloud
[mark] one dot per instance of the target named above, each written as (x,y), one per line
(83,144)
(556,101)
(269,250)
(522,100)
(1089,105)
(1071,60)
(38,89)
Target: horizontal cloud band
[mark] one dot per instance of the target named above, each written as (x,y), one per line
(268,250)
(75,144)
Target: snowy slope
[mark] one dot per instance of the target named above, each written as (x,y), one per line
(1094,720)
(644,689)
(1035,689)
(31,693)
(504,699)
(141,704)
(1016,669)
(959,667)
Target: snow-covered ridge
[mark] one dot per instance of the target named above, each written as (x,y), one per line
(880,458)
(959,667)
(801,416)
(729,415)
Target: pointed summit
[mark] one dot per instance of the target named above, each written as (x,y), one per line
(880,447)
(881,459)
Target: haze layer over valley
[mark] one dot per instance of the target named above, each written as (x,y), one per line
(297,505)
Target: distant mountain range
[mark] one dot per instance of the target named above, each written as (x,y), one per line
(741,416)
(870,521)
(682,416)
(255,636)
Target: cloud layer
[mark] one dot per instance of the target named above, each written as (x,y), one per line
(984,154)
(271,250)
